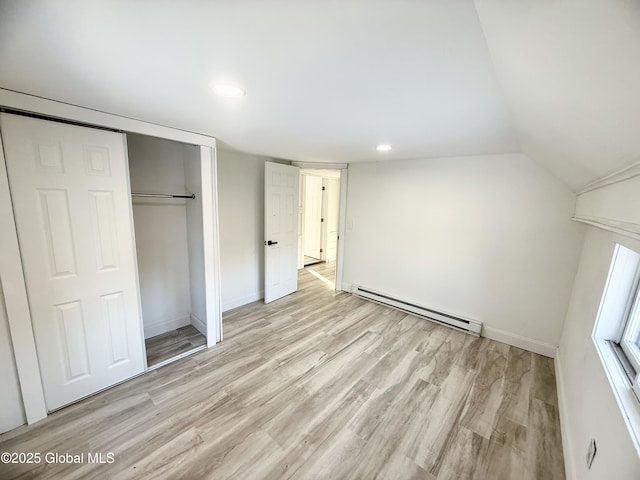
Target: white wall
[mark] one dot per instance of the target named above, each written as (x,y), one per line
(11,410)
(157,166)
(486,237)
(588,408)
(241,211)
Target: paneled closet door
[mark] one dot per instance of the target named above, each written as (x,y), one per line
(71,200)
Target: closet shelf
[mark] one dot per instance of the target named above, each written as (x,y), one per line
(163,195)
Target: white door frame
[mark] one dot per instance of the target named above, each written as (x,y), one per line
(342,220)
(11,272)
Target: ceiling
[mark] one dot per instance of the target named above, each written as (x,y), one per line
(328,81)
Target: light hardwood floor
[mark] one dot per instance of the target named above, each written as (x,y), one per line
(326,269)
(173,343)
(311,260)
(318,385)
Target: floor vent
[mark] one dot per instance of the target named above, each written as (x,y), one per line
(459,323)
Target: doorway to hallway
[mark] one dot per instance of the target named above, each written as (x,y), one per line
(318,221)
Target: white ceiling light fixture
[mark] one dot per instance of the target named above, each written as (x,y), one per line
(383,147)
(228,90)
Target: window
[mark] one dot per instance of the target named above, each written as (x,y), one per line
(617,335)
(630,339)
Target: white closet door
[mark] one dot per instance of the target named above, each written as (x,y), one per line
(71,200)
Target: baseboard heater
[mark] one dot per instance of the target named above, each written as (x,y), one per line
(459,323)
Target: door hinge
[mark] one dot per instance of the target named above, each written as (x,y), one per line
(323,189)
(321,250)
(321,220)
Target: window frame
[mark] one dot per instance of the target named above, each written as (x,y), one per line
(629,340)
(619,303)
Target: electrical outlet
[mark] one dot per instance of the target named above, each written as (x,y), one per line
(591,452)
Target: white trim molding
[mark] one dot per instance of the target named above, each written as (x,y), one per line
(66,111)
(211,244)
(623,228)
(342,228)
(611,202)
(618,176)
(565,428)
(320,165)
(198,324)
(18,315)
(239,302)
(166,325)
(515,340)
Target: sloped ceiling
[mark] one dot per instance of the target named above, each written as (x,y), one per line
(570,71)
(327,81)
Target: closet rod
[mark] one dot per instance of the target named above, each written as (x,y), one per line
(163,195)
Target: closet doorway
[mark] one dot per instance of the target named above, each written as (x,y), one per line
(166,199)
(319,212)
(86,276)
(89,270)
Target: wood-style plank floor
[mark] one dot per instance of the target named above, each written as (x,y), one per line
(311,260)
(326,269)
(170,344)
(317,385)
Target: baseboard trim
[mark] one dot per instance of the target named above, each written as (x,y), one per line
(563,412)
(347,287)
(199,324)
(519,341)
(239,302)
(165,326)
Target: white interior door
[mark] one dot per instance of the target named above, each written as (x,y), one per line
(300,222)
(331,216)
(281,230)
(71,200)
(312,237)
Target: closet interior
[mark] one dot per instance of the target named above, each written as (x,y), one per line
(167,213)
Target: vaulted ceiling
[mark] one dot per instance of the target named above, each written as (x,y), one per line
(329,80)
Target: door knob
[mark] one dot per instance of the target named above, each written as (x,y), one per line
(269,242)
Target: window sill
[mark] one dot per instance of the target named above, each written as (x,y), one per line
(619,381)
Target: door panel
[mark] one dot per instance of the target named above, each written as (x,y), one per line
(104,230)
(73,340)
(114,317)
(70,193)
(281,229)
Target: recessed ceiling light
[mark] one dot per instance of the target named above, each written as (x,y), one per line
(228,90)
(383,147)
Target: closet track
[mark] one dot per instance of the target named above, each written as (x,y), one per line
(25,113)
